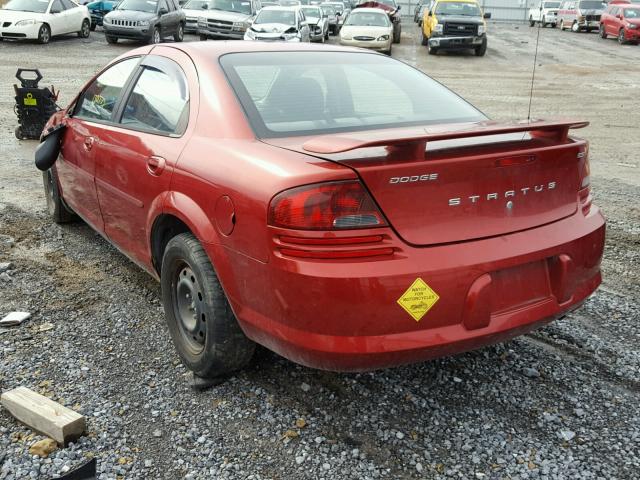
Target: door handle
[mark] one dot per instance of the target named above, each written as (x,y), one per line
(88,143)
(156,165)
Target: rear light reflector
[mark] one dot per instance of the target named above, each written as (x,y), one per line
(324,254)
(332,241)
(340,205)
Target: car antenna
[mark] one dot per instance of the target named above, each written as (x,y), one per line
(535,62)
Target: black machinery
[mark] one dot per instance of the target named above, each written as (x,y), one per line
(34,105)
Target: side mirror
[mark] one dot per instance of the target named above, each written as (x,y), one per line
(204,6)
(430,14)
(163,11)
(399,7)
(487,15)
(620,16)
(55,10)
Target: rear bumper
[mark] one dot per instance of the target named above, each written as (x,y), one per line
(454,43)
(345,316)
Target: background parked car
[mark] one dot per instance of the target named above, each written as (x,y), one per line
(41,19)
(227,18)
(98,10)
(392,9)
(318,23)
(332,17)
(341,13)
(368,28)
(580,15)
(545,13)
(279,24)
(621,21)
(145,20)
(421,7)
(455,25)
(193,9)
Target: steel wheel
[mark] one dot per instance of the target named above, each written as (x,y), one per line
(202,325)
(575,27)
(155,36)
(188,309)
(561,25)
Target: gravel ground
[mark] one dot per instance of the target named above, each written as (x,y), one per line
(560,403)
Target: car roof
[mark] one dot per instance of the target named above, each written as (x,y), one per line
(291,8)
(369,10)
(210,52)
(459,1)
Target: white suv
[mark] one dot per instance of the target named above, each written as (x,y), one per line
(545,13)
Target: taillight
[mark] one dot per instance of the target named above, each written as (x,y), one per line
(585,170)
(584,194)
(325,206)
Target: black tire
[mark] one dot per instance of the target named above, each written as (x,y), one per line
(432,50)
(397,33)
(532,22)
(553,25)
(562,25)
(603,32)
(44,34)
(544,22)
(575,27)
(326,35)
(388,52)
(111,40)
(203,38)
(18,133)
(482,49)
(179,36)
(155,37)
(425,39)
(621,38)
(93,26)
(204,330)
(85,29)
(56,207)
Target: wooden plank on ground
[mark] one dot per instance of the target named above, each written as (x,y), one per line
(44,415)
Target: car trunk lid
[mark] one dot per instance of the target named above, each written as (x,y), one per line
(460,182)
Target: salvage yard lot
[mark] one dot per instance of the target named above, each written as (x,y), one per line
(562,402)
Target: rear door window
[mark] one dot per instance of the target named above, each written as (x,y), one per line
(101,97)
(159,101)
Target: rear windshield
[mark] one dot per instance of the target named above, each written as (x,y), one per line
(592,5)
(304,93)
(551,4)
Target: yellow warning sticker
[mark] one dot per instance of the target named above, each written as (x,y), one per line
(418,299)
(29,100)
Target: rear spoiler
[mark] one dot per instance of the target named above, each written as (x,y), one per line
(419,136)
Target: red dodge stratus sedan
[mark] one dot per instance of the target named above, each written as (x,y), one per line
(337,206)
